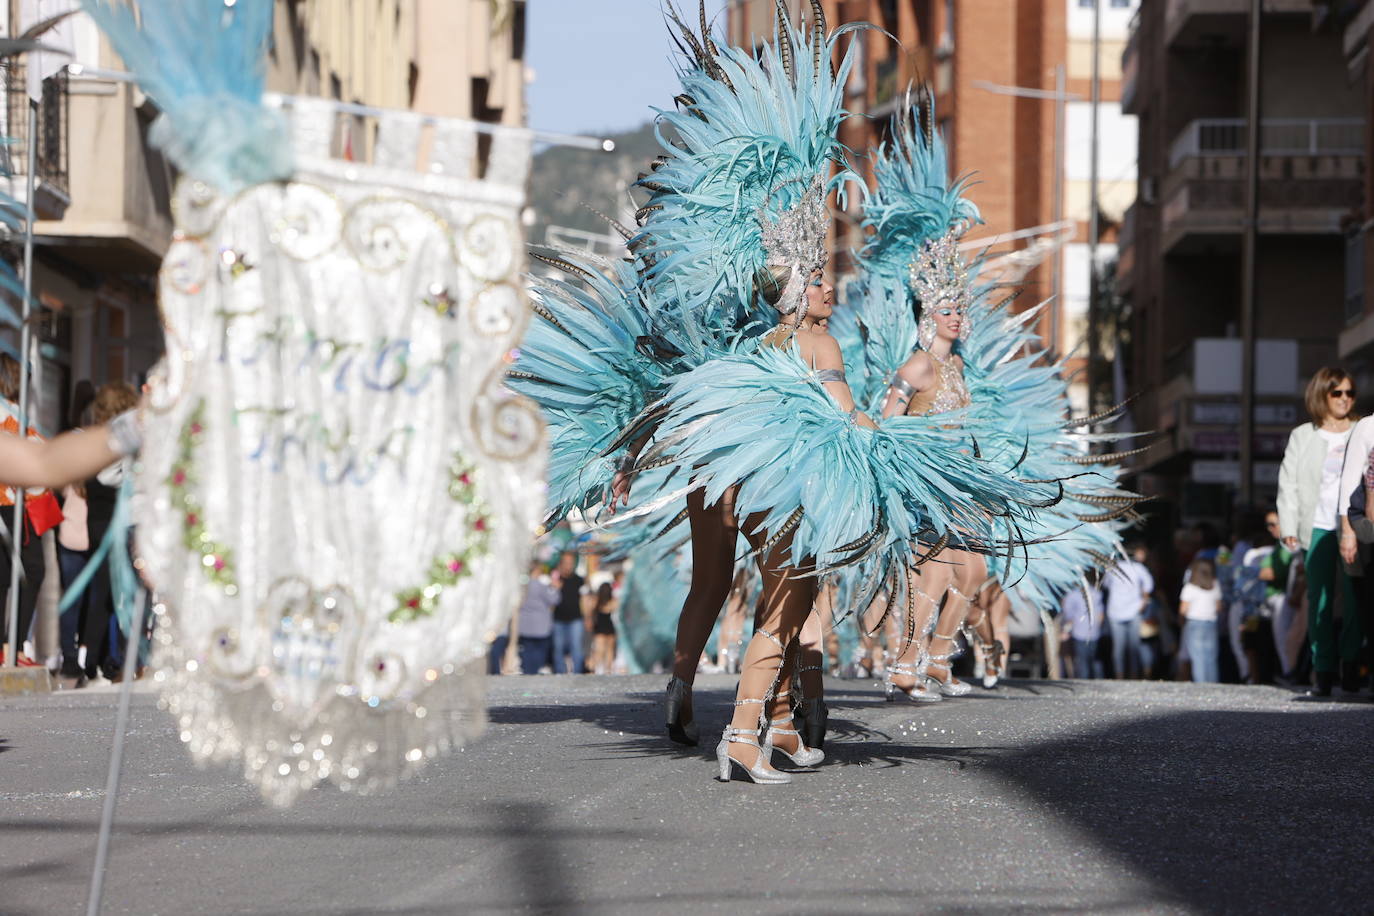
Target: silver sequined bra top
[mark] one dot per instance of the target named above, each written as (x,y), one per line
(950,391)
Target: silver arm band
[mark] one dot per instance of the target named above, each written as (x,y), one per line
(830,375)
(903,388)
(126,437)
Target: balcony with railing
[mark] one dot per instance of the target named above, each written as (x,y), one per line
(115,187)
(1310,176)
(1130,65)
(50,162)
(1278,137)
(1204,21)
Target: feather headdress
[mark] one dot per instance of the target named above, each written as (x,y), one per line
(915,203)
(745,169)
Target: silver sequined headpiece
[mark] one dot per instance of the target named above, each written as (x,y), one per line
(939,277)
(796,240)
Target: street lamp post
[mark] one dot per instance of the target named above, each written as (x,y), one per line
(1094,319)
(1247,279)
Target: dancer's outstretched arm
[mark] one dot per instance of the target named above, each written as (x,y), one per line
(69,458)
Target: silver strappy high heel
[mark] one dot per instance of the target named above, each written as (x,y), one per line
(919,692)
(950,688)
(804,756)
(681,732)
(760,772)
(994,656)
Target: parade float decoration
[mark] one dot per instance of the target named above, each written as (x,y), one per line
(336,496)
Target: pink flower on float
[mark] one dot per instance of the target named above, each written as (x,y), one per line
(480,524)
(179,477)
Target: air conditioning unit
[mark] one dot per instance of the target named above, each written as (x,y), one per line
(1149,190)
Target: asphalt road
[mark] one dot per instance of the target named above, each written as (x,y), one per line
(1038,797)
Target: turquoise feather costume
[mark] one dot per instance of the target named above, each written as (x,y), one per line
(1017,395)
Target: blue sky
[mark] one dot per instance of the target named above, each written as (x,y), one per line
(600,64)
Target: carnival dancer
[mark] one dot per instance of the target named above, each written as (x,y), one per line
(629,335)
(967,359)
(931,382)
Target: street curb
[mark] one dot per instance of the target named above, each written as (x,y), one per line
(18,682)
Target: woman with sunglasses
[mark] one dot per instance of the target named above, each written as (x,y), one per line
(1310,503)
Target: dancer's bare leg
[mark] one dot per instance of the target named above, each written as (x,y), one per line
(970,573)
(732,624)
(811,654)
(927,588)
(871,626)
(1000,613)
(782,610)
(989,602)
(713,563)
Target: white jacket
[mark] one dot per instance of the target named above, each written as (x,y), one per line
(1356,457)
(1300,482)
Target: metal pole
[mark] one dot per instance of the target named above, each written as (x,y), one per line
(1057,265)
(1094,320)
(17,524)
(1247,261)
(132,644)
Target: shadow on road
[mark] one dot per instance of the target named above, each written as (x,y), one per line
(1230,811)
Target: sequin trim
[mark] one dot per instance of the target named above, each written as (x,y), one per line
(216,559)
(449,569)
(952,393)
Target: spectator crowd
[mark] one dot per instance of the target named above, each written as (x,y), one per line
(1287,599)
(60,536)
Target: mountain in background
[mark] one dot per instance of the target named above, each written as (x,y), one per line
(562,179)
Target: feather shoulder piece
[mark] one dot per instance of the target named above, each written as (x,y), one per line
(591,361)
(762,421)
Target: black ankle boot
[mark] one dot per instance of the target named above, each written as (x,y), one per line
(1325,681)
(1350,677)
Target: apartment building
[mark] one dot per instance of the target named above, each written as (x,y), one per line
(1185,79)
(1012,87)
(102,195)
(1353,21)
